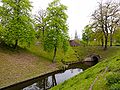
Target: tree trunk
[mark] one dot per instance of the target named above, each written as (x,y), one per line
(102,41)
(54,57)
(106,32)
(111,39)
(16,43)
(106,39)
(43,31)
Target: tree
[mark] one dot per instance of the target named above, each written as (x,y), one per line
(87,34)
(116,35)
(56,33)
(98,35)
(106,17)
(17,22)
(114,19)
(40,22)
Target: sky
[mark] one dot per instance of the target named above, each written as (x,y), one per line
(79,13)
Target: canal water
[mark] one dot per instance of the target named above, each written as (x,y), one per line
(53,80)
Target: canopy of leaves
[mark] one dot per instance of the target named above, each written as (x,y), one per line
(40,23)
(16,21)
(117,35)
(87,33)
(56,33)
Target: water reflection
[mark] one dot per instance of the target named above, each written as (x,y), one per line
(53,80)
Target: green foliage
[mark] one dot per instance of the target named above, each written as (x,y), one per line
(65,45)
(113,78)
(83,43)
(98,35)
(1,30)
(116,36)
(16,21)
(56,33)
(40,23)
(113,81)
(87,34)
(115,86)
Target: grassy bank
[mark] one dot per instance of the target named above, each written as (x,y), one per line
(73,53)
(39,51)
(103,76)
(20,65)
(82,52)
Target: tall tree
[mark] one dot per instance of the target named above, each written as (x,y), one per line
(17,22)
(56,33)
(106,17)
(114,19)
(87,34)
(40,22)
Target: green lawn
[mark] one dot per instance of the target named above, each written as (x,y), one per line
(106,79)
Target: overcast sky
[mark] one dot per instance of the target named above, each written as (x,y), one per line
(79,12)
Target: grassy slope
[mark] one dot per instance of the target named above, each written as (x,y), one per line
(16,66)
(84,80)
(71,55)
(21,65)
(68,56)
(83,52)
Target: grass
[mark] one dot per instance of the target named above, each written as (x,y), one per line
(20,65)
(23,64)
(39,51)
(84,80)
(73,53)
(86,51)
